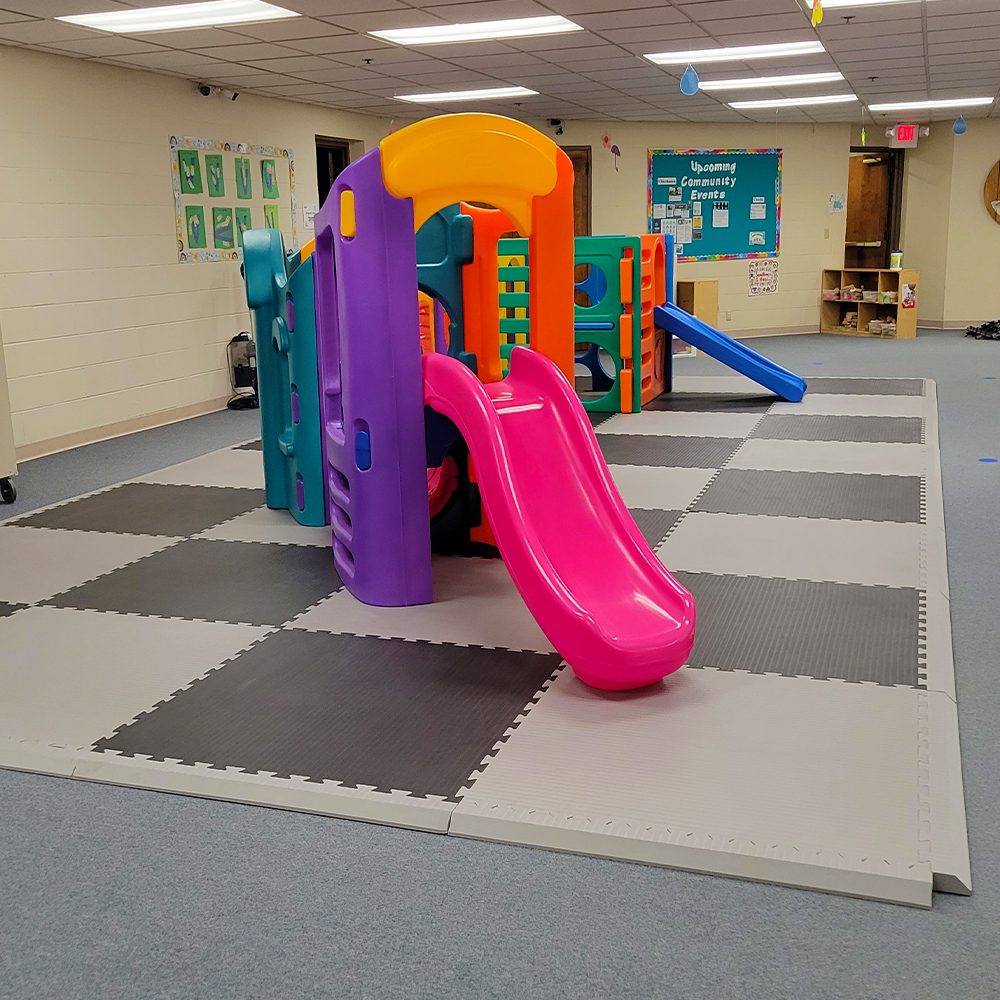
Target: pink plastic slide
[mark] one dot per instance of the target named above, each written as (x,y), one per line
(596,589)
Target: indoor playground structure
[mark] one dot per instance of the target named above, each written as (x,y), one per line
(418,385)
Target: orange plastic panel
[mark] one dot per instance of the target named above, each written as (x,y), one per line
(488,158)
(625,335)
(550,276)
(654,264)
(625,384)
(625,274)
(479,291)
(426,308)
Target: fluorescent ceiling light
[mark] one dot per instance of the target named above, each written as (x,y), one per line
(738,53)
(751,82)
(184,15)
(795,102)
(467,95)
(956,102)
(833,4)
(518,27)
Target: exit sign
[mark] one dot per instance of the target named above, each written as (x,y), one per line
(904,136)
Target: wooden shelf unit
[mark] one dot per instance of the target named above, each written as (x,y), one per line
(878,280)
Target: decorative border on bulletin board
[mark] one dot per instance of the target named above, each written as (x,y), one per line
(716,152)
(178,142)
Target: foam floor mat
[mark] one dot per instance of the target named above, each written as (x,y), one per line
(174,634)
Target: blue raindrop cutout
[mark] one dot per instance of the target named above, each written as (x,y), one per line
(959,127)
(689,82)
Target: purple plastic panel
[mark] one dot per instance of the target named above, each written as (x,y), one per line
(368,335)
(300,493)
(291,313)
(295,406)
(440,338)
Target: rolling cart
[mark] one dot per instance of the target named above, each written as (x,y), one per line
(8,463)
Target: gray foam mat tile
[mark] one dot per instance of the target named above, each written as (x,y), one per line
(250,446)
(868,386)
(654,524)
(813,494)
(800,627)
(149,509)
(412,716)
(667,450)
(825,427)
(249,582)
(714,402)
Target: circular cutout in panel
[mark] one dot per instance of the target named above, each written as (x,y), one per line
(991,192)
(591,285)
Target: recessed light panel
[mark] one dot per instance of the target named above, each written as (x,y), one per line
(794,102)
(478,31)
(955,102)
(491,93)
(737,53)
(211,14)
(752,82)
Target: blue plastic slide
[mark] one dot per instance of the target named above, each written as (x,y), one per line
(730,352)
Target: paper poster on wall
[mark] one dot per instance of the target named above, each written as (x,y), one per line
(243,223)
(737,192)
(309,216)
(190,171)
(195,221)
(222,228)
(244,185)
(209,234)
(763,275)
(269,178)
(213,170)
(838,203)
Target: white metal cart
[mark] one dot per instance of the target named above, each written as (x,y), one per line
(8,463)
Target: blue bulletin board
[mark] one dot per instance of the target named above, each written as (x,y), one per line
(718,204)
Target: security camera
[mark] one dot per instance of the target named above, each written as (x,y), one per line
(555,122)
(204,89)
(235,95)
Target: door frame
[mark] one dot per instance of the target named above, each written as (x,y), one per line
(590,183)
(894,216)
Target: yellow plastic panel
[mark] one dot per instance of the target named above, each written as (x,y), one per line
(348,226)
(470,157)
(306,252)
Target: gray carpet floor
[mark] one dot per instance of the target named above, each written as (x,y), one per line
(112,892)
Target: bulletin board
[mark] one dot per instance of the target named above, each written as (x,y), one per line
(719,204)
(222,188)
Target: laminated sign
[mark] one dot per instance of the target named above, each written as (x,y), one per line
(763,277)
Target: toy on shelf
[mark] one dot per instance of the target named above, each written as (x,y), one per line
(280,294)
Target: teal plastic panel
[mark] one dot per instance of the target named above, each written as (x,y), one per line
(280,295)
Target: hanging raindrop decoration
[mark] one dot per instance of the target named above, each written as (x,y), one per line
(689,82)
(959,128)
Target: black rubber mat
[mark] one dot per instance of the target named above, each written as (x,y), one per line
(149,509)
(654,524)
(813,494)
(250,446)
(710,402)
(799,627)
(8,609)
(823,427)
(246,582)
(667,450)
(414,716)
(868,386)
(596,419)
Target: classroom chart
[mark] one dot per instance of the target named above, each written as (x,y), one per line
(221,189)
(718,204)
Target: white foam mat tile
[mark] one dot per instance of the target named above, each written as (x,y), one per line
(789,780)
(266,525)
(38,563)
(797,548)
(842,405)
(943,826)
(876,458)
(72,677)
(657,488)
(226,467)
(329,798)
(739,384)
(475,603)
(680,422)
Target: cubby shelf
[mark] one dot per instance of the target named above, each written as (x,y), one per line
(883,283)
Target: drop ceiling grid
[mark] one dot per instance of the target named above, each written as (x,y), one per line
(912,50)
